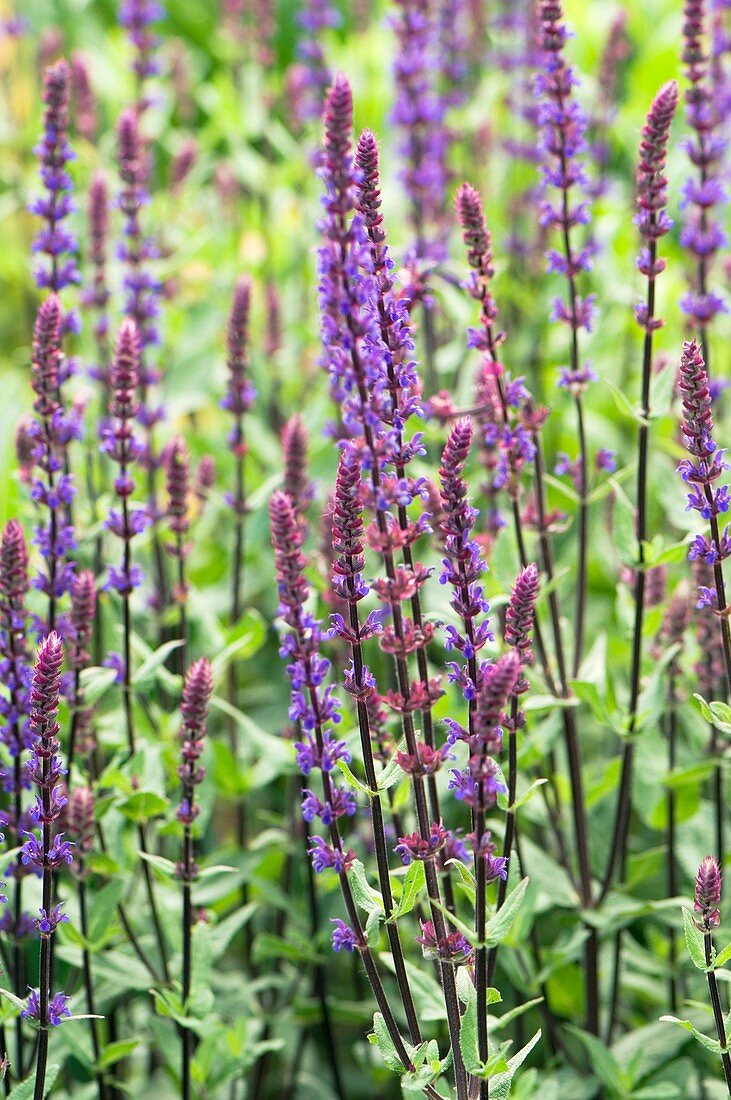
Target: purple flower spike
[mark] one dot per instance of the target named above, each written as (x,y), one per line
(176,461)
(124,449)
(419,116)
(14,667)
(702,233)
(297,485)
(708,894)
(563,128)
(54,242)
(96,296)
(463,566)
(706,464)
(197,691)
(240,393)
(652,218)
(142,288)
(520,613)
(83,610)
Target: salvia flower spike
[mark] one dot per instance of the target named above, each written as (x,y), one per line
(54,243)
(46,850)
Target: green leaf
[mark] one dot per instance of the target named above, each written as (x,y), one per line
(723,956)
(373,928)
(18,1002)
(95,682)
(102,910)
(380,1038)
(499,926)
(391,773)
(354,782)
(694,940)
(364,894)
(221,934)
(468,1038)
(467,879)
(710,1044)
(25,1090)
(159,863)
(156,658)
(506,1018)
(242,641)
(500,1085)
(603,1062)
(115,1052)
(414,883)
(142,805)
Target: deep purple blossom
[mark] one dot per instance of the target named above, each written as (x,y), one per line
(197,691)
(708,894)
(53,488)
(706,463)
(454,947)
(652,218)
(123,448)
(343,936)
(58,1008)
(520,613)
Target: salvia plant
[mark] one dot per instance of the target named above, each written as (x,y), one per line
(365,645)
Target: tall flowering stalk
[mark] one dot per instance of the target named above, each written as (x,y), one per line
(238,400)
(702,233)
(49,852)
(16,735)
(52,487)
(123,448)
(563,128)
(176,461)
(403,404)
(79,821)
(142,292)
(360,385)
(701,470)
(126,524)
(519,625)
(348,544)
(511,426)
(96,295)
(197,690)
(653,223)
(54,243)
(313,76)
(419,115)
(315,707)
(706,905)
(138,17)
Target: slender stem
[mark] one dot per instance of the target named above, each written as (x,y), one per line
(618,851)
(510,826)
(379,833)
(182,597)
(672,828)
(45,962)
(89,991)
(717,1012)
